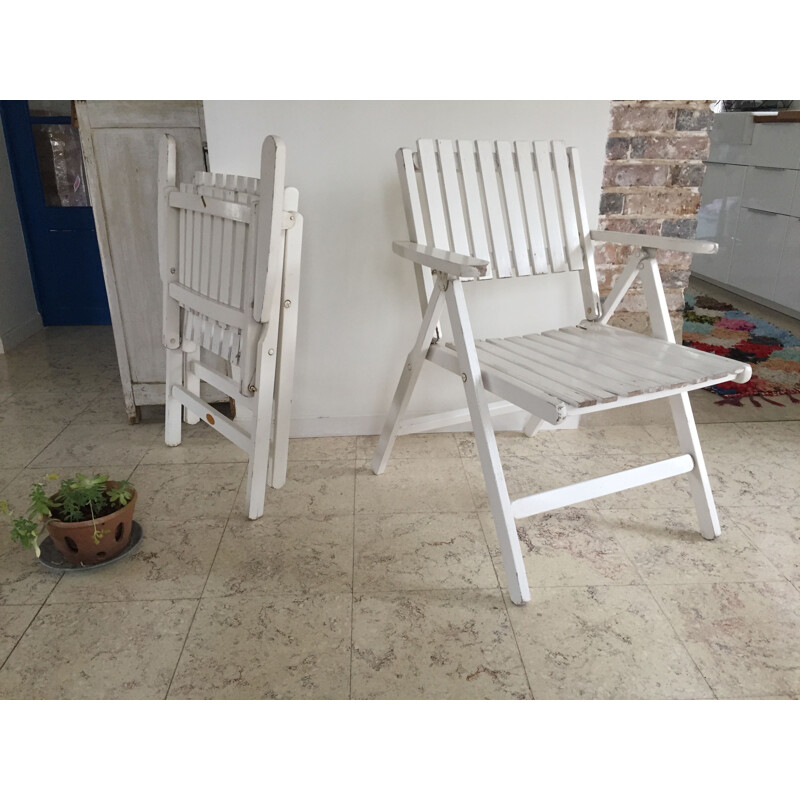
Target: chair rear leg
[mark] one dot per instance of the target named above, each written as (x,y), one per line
(256,480)
(172,407)
(407,382)
(532,426)
(698,478)
(192,382)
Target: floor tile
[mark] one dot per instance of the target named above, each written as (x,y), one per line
(312,489)
(667,547)
(567,547)
(186,492)
(281,647)
(171,563)
(82,443)
(514,443)
(284,554)
(444,645)
(755,481)
(200,444)
(20,446)
(434,485)
(23,579)
(744,637)
(39,408)
(421,551)
(14,620)
(775,532)
(603,642)
(623,440)
(321,448)
(98,651)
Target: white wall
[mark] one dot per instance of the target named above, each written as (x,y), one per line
(359,311)
(19,317)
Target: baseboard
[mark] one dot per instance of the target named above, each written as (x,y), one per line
(309,427)
(18,334)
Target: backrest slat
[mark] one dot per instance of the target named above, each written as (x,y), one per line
(530,199)
(519,205)
(472,195)
(568,215)
(550,209)
(589,287)
(430,178)
(514,208)
(497,229)
(452,195)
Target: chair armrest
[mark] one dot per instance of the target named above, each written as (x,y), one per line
(656,242)
(442,260)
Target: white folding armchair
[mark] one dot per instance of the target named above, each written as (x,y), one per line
(481,209)
(229,255)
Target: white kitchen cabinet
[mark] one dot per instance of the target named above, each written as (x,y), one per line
(750,204)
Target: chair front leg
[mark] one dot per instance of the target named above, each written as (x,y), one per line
(486,443)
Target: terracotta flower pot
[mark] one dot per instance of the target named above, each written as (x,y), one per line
(75,540)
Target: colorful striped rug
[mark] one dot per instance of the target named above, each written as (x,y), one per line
(717,327)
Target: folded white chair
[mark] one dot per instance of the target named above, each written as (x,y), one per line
(229,255)
(477,210)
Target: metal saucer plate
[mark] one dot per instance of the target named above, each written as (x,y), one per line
(52,559)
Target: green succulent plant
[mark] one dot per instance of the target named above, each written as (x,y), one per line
(79,499)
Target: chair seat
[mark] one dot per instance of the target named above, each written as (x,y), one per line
(591,364)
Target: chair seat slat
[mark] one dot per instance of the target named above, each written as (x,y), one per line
(606,374)
(644,345)
(562,382)
(580,376)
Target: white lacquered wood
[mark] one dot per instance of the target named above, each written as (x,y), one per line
(588,276)
(550,206)
(442,260)
(486,444)
(516,224)
(472,195)
(452,196)
(599,487)
(238,297)
(522,210)
(655,242)
(430,175)
(569,217)
(501,257)
(408,379)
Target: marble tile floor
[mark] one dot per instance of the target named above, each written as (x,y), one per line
(391,587)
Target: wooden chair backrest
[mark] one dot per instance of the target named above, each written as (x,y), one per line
(229,250)
(519,205)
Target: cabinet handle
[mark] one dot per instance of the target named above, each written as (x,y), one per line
(762,211)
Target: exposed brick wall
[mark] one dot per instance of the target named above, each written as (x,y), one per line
(651,184)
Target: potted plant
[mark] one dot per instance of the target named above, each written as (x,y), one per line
(89,519)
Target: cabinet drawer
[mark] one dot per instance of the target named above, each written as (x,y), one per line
(769,189)
(757,251)
(787,287)
(776,145)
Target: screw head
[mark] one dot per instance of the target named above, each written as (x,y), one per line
(271,352)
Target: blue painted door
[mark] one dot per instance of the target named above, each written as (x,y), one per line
(50,184)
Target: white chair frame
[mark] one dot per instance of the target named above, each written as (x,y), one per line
(478,209)
(229,255)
